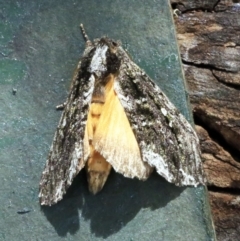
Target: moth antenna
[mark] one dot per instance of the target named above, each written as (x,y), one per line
(85,36)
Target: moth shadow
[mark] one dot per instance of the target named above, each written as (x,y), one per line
(110,210)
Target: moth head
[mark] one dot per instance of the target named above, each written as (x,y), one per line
(104,59)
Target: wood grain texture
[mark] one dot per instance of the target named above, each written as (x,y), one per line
(208,37)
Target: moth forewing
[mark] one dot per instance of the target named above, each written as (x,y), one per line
(116,116)
(166,140)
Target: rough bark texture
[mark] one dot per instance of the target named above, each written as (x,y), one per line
(226,213)
(208,36)
(220,167)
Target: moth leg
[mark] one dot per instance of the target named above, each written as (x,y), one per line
(61,106)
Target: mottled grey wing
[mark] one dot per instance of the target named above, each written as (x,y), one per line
(67,155)
(166,140)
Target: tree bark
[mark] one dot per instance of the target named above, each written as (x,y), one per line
(208,36)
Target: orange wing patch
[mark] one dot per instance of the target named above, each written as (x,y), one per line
(112,142)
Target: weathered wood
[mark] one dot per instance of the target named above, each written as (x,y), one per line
(208,36)
(205,5)
(209,48)
(212,39)
(220,167)
(226,215)
(215,104)
(186,5)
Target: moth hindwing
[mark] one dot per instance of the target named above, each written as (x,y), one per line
(116,117)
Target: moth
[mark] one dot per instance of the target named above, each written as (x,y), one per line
(116,117)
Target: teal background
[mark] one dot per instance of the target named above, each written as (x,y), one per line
(40,45)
